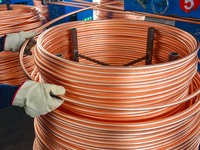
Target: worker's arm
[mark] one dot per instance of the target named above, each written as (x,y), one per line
(6,94)
(36,98)
(13,42)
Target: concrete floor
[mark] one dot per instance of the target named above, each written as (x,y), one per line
(16,129)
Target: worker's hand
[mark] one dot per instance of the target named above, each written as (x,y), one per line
(38,98)
(13,42)
(30,44)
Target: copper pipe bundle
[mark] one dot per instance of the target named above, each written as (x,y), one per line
(117,107)
(20,18)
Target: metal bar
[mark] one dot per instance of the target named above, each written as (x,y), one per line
(59,55)
(141,4)
(93,60)
(43,2)
(149,49)
(134,61)
(8,7)
(173,56)
(74,44)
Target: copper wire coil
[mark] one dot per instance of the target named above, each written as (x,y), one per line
(95,84)
(115,107)
(69,130)
(20,18)
(11,72)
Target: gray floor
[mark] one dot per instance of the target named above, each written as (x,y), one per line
(16,129)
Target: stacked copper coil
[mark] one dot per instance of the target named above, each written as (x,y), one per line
(20,18)
(117,107)
(11,72)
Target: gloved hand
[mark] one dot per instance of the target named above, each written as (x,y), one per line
(13,42)
(38,98)
(30,44)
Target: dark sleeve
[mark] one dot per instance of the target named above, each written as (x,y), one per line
(6,94)
(2,41)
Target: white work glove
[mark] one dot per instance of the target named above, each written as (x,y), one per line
(13,42)
(38,98)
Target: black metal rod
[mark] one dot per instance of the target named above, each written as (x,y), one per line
(135,61)
(142,3)
(43,2)
(8,6)
(74,44)
(93,60)
(149,48)
(59,55)
(173,56)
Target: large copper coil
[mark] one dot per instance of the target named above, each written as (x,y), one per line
(20,18)
(117,107)
(63,129)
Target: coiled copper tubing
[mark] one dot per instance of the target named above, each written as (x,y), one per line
(119,107)
(20,18)
(11,72)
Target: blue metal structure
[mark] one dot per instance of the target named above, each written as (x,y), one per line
(178,8)
(56,10)
(24,2)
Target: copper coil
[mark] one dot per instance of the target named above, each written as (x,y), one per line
(11,72)
(69,130)
(172,80)
(115,107)
(20,18)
